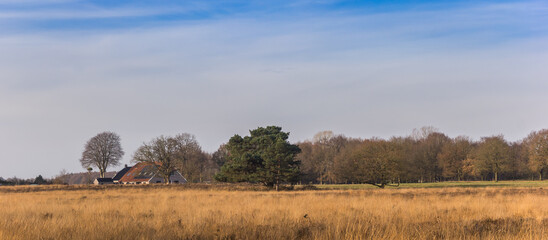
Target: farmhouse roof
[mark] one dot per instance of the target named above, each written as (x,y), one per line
(139,173)
(121,173)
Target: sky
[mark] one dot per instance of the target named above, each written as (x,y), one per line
(70,69)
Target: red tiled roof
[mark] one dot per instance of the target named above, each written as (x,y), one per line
(141,172)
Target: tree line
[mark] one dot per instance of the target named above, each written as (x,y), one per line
(426,156)
(266,156)
(20,181)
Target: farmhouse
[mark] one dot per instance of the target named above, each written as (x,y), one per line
(146,173)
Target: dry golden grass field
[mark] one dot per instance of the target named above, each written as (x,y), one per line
(57,212)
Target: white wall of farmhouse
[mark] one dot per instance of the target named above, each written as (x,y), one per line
(175,177)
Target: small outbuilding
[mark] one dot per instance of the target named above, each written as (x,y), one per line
(103,181)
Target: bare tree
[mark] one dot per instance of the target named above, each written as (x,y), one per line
(492,155)
(426,152)
(377,162)
(161,151)
(102,151)
(423,132)
(323,137)
(89,175)
(181,152)
(538,152)
(326,146)
(62,177)
(452,156)
(220,156)
(192,162)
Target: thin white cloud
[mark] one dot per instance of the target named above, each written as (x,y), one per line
(94,13)
(34,2)
(525,6)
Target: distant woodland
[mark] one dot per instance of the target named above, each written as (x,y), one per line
(427,155)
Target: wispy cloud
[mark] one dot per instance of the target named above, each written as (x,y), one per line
(85,14)
(34,2)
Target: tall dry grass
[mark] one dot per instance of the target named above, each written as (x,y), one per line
(176,213)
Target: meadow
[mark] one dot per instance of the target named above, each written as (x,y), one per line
(447,184)
(172,212)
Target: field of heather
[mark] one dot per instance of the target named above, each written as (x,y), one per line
(150,212)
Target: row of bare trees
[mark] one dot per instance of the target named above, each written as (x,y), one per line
(426,156)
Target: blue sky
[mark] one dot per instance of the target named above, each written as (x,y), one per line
(71,69)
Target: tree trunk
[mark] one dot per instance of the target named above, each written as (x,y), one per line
(540,175)
(278,177)
(496,176)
